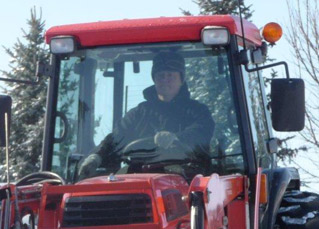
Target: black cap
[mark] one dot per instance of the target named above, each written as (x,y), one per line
(168,61)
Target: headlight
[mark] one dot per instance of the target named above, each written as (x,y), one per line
(215,35)
(62,45)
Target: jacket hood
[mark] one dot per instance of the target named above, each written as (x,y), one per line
(150,94)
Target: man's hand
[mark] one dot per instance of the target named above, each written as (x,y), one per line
(165,139)
(89,166)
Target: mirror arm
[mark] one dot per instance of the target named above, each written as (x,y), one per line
(21,81)
(42,69)
(269,66)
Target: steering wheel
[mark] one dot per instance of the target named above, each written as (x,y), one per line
(140,145)
(145,151)
(41,177)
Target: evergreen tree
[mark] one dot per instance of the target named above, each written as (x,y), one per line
(28,100)
(211,7)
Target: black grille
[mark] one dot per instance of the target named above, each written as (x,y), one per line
(107,210)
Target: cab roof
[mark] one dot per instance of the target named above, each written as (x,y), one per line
(163,29)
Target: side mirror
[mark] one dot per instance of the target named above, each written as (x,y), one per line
(5,107)
(288,104)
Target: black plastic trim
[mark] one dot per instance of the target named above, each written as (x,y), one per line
(107,210)
(118,92)
(282,179)
(49,122)
(241,107)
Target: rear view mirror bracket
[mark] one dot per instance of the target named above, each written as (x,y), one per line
(20,81)
(269,66)
(287,97)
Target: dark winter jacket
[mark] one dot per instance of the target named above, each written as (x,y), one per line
(190,120)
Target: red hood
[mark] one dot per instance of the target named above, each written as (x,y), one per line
(126,178)
(126,183)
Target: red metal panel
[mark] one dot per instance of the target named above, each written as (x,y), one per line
(236,214)
(158,185)
(151,184)
(218,192)
(131,226)
(48,218)
(152,30)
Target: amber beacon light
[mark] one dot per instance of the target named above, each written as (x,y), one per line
(272,32)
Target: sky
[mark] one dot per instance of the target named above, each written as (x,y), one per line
(14,15)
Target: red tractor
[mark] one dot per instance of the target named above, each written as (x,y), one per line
(97,74)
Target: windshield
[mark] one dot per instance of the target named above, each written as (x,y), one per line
(108,105)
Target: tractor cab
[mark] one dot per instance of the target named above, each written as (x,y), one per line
(99,75)
(99,86)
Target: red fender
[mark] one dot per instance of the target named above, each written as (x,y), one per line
(223,196)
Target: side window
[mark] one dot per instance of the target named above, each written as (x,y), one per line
(135,83)
(257,116)
(67,108)
(103,108)
(209,83)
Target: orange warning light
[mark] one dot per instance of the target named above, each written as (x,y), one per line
(272,32)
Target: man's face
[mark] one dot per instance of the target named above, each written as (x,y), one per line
(167,84)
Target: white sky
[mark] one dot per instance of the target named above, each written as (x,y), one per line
(14,14)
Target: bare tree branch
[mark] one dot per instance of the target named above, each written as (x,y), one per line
(303,37)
